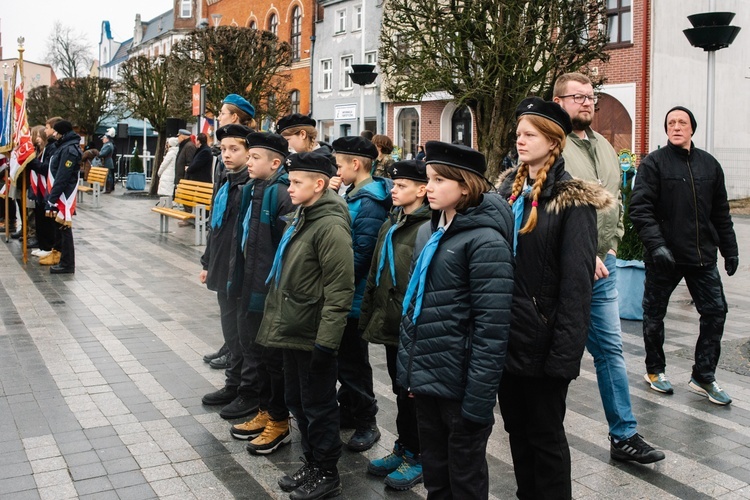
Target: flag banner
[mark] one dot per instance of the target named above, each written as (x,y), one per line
(207,126)
(66,208)
(38,184)
(23,149)
(6,115)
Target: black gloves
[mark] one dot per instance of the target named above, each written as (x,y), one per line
(731,264)
(663,259)
(322,358)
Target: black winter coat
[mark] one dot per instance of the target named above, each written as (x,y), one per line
(680,200)
(554,276)
(220,241)
(456,350)
(64,166)
(201,167)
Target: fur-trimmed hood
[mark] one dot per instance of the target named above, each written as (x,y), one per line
(561,190)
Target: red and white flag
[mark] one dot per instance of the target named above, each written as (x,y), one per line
(23,149)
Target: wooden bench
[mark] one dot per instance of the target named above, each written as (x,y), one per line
(193,194)
(97,180)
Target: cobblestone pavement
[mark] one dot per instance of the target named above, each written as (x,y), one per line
(101,378)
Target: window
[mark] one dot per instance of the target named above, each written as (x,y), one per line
(346,68)
(294,104)
(357,18)
(252,25)
(619,21)
(186,8)
(326,128)
(345,130)
(326,75)
(273,24)
(461,126)
(372,58)
(408,133)
(296,38)
(341,21)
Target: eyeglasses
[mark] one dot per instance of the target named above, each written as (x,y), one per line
(581,98)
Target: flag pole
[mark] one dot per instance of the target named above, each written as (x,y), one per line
(7,171)
(24,218)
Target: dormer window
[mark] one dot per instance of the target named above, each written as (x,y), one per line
(186,8)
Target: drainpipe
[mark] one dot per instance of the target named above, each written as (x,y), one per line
(645,87)
(312,67)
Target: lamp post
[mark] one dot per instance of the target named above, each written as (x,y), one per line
(711,32)
(362,74)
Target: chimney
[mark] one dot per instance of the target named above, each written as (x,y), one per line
(137,30)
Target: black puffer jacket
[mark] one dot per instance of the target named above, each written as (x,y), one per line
(220,241)
(554,276)
(680,200)
(457,348)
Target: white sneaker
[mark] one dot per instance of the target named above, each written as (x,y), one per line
(41,253)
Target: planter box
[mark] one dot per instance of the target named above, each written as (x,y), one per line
(631,277)
(136,181)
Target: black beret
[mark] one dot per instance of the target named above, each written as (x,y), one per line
(63,127)
(689,113)
(310,162)
(455,155)
(267,140)
(546,109)
(355,145)
(233,130)
(408,169)
(294,120)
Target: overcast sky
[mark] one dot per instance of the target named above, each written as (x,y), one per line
(34,20)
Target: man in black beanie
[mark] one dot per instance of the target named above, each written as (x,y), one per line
(681,212)
(61,200)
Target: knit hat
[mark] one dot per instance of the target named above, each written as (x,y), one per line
(689,113)
(269,141)
(355,145)
(240,102)
(414,170)
(455,155)
(310,162)
(546,109)
(294,120)
(173,142)
(63,127)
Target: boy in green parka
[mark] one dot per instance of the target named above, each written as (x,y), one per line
(312,287)
(382,305)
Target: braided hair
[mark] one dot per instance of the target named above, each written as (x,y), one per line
(554,133)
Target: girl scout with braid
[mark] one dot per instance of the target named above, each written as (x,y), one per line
(555,242)
(455,322)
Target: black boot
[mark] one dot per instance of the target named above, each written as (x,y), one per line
(222,362)
(210,357)
(223,396)
(322,483)
(293,481)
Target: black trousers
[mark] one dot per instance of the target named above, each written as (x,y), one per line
(241,372)
(454,451)
(64,242)
(406,406)
(356,395)
(311,397)
(704,284)
(533,411)
(269,367)
(45,227)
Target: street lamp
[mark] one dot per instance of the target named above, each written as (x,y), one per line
(711,32)
(362,74)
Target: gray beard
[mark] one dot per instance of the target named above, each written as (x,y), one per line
(580,123)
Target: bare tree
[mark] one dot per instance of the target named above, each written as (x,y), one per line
(146,91)
(67,52)
(85,101)
(232,60)
(488,55)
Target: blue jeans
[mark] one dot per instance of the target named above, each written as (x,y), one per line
(605,345)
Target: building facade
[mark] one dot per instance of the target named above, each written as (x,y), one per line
(292,21)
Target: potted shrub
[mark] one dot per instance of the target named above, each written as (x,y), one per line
(631,272)
(136,177)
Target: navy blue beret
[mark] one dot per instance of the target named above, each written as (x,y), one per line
(455,155)
(355,145)
(267,140)
(546,109)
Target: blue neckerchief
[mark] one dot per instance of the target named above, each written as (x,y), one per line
(220,205)
(518,215)
(246,222)
(275,273)
(419,276)
(386,254)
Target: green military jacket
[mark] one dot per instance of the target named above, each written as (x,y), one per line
(380,316)
(595,160)
(310,303)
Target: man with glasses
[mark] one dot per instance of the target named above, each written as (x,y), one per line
(589,156)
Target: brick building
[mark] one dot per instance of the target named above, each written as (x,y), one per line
(292,21)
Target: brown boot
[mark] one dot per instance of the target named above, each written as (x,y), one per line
(273,436)
(251,428)
(51,259)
